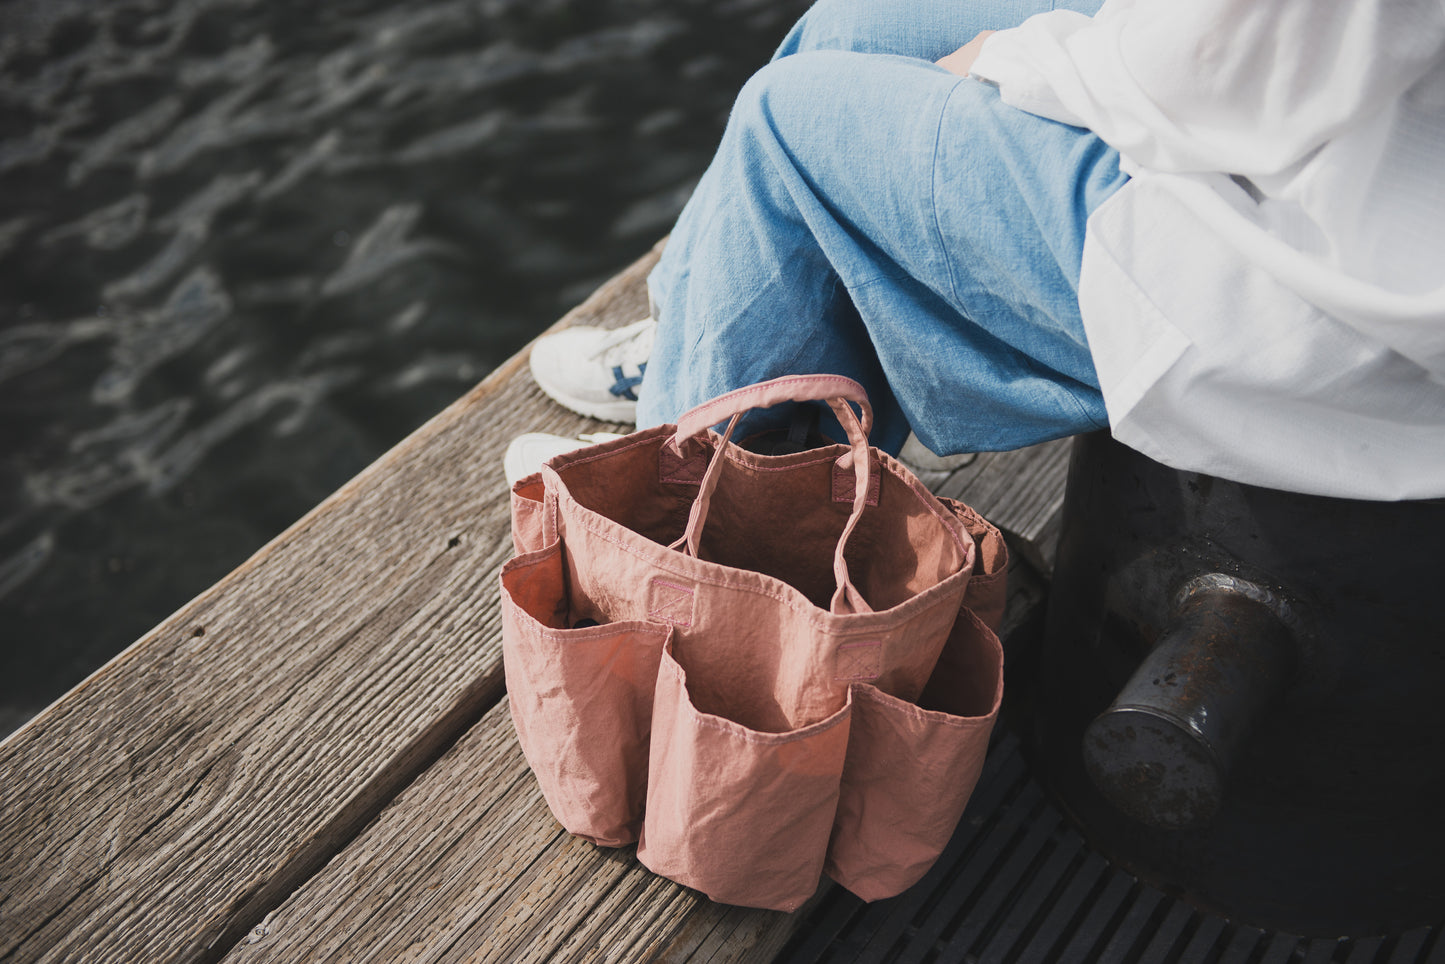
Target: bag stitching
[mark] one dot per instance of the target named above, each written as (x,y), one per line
(876,669)
(847,490)
(532,626)
(658,611)
(753,465)
(745,463)
(602,455)
(912,483)
(922,714)
(778,468)
(956,720)
(555,510)
(809,612)
(760,739)
(732,728)
(790,379)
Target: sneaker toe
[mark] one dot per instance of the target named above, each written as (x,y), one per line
(564,365)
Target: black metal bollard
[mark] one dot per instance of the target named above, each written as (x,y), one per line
(1163,750)
(1289,773)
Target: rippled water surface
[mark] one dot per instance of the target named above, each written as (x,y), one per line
(246,245)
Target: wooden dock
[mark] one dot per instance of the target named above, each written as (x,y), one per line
(313,759)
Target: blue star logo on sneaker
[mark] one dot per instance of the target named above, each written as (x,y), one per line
(586,369)
(623,387)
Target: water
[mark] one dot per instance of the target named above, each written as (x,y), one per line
(247,245)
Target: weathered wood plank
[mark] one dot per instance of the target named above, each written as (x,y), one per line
(468,865)
(165,805)
(747,936)
(1020,492)
(426,881)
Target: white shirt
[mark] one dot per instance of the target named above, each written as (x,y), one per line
(1265,298)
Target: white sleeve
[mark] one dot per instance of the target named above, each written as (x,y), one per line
(1245,87)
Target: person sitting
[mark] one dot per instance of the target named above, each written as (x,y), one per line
(1214,227)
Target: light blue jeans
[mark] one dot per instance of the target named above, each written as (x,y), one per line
(871,214)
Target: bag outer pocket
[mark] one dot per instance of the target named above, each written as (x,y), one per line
(988,586)
(741,815)
(528,505)
(911,770)
(581,700)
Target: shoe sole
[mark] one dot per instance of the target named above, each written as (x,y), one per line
(518,462)
(623,412)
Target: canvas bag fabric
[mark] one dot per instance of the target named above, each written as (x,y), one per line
(793,671)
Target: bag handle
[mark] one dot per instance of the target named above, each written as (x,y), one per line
(789,388)
(838,391)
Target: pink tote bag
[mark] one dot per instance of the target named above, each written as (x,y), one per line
(759,668)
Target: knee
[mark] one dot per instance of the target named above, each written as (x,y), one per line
(750,107)
(863,26)
(772,94)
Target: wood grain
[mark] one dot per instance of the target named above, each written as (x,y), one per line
(163,807)
(1021,492)
(469,865)
(310,762)
(573,902)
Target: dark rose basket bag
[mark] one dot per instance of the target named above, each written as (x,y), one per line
(792,669)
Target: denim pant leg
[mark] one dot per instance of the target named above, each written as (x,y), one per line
(927,29)
(878,217)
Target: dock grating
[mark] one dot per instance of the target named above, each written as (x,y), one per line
(1017,884)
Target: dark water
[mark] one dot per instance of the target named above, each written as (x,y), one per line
(247,245)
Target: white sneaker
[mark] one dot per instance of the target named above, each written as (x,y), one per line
(595,371)
(526,453)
